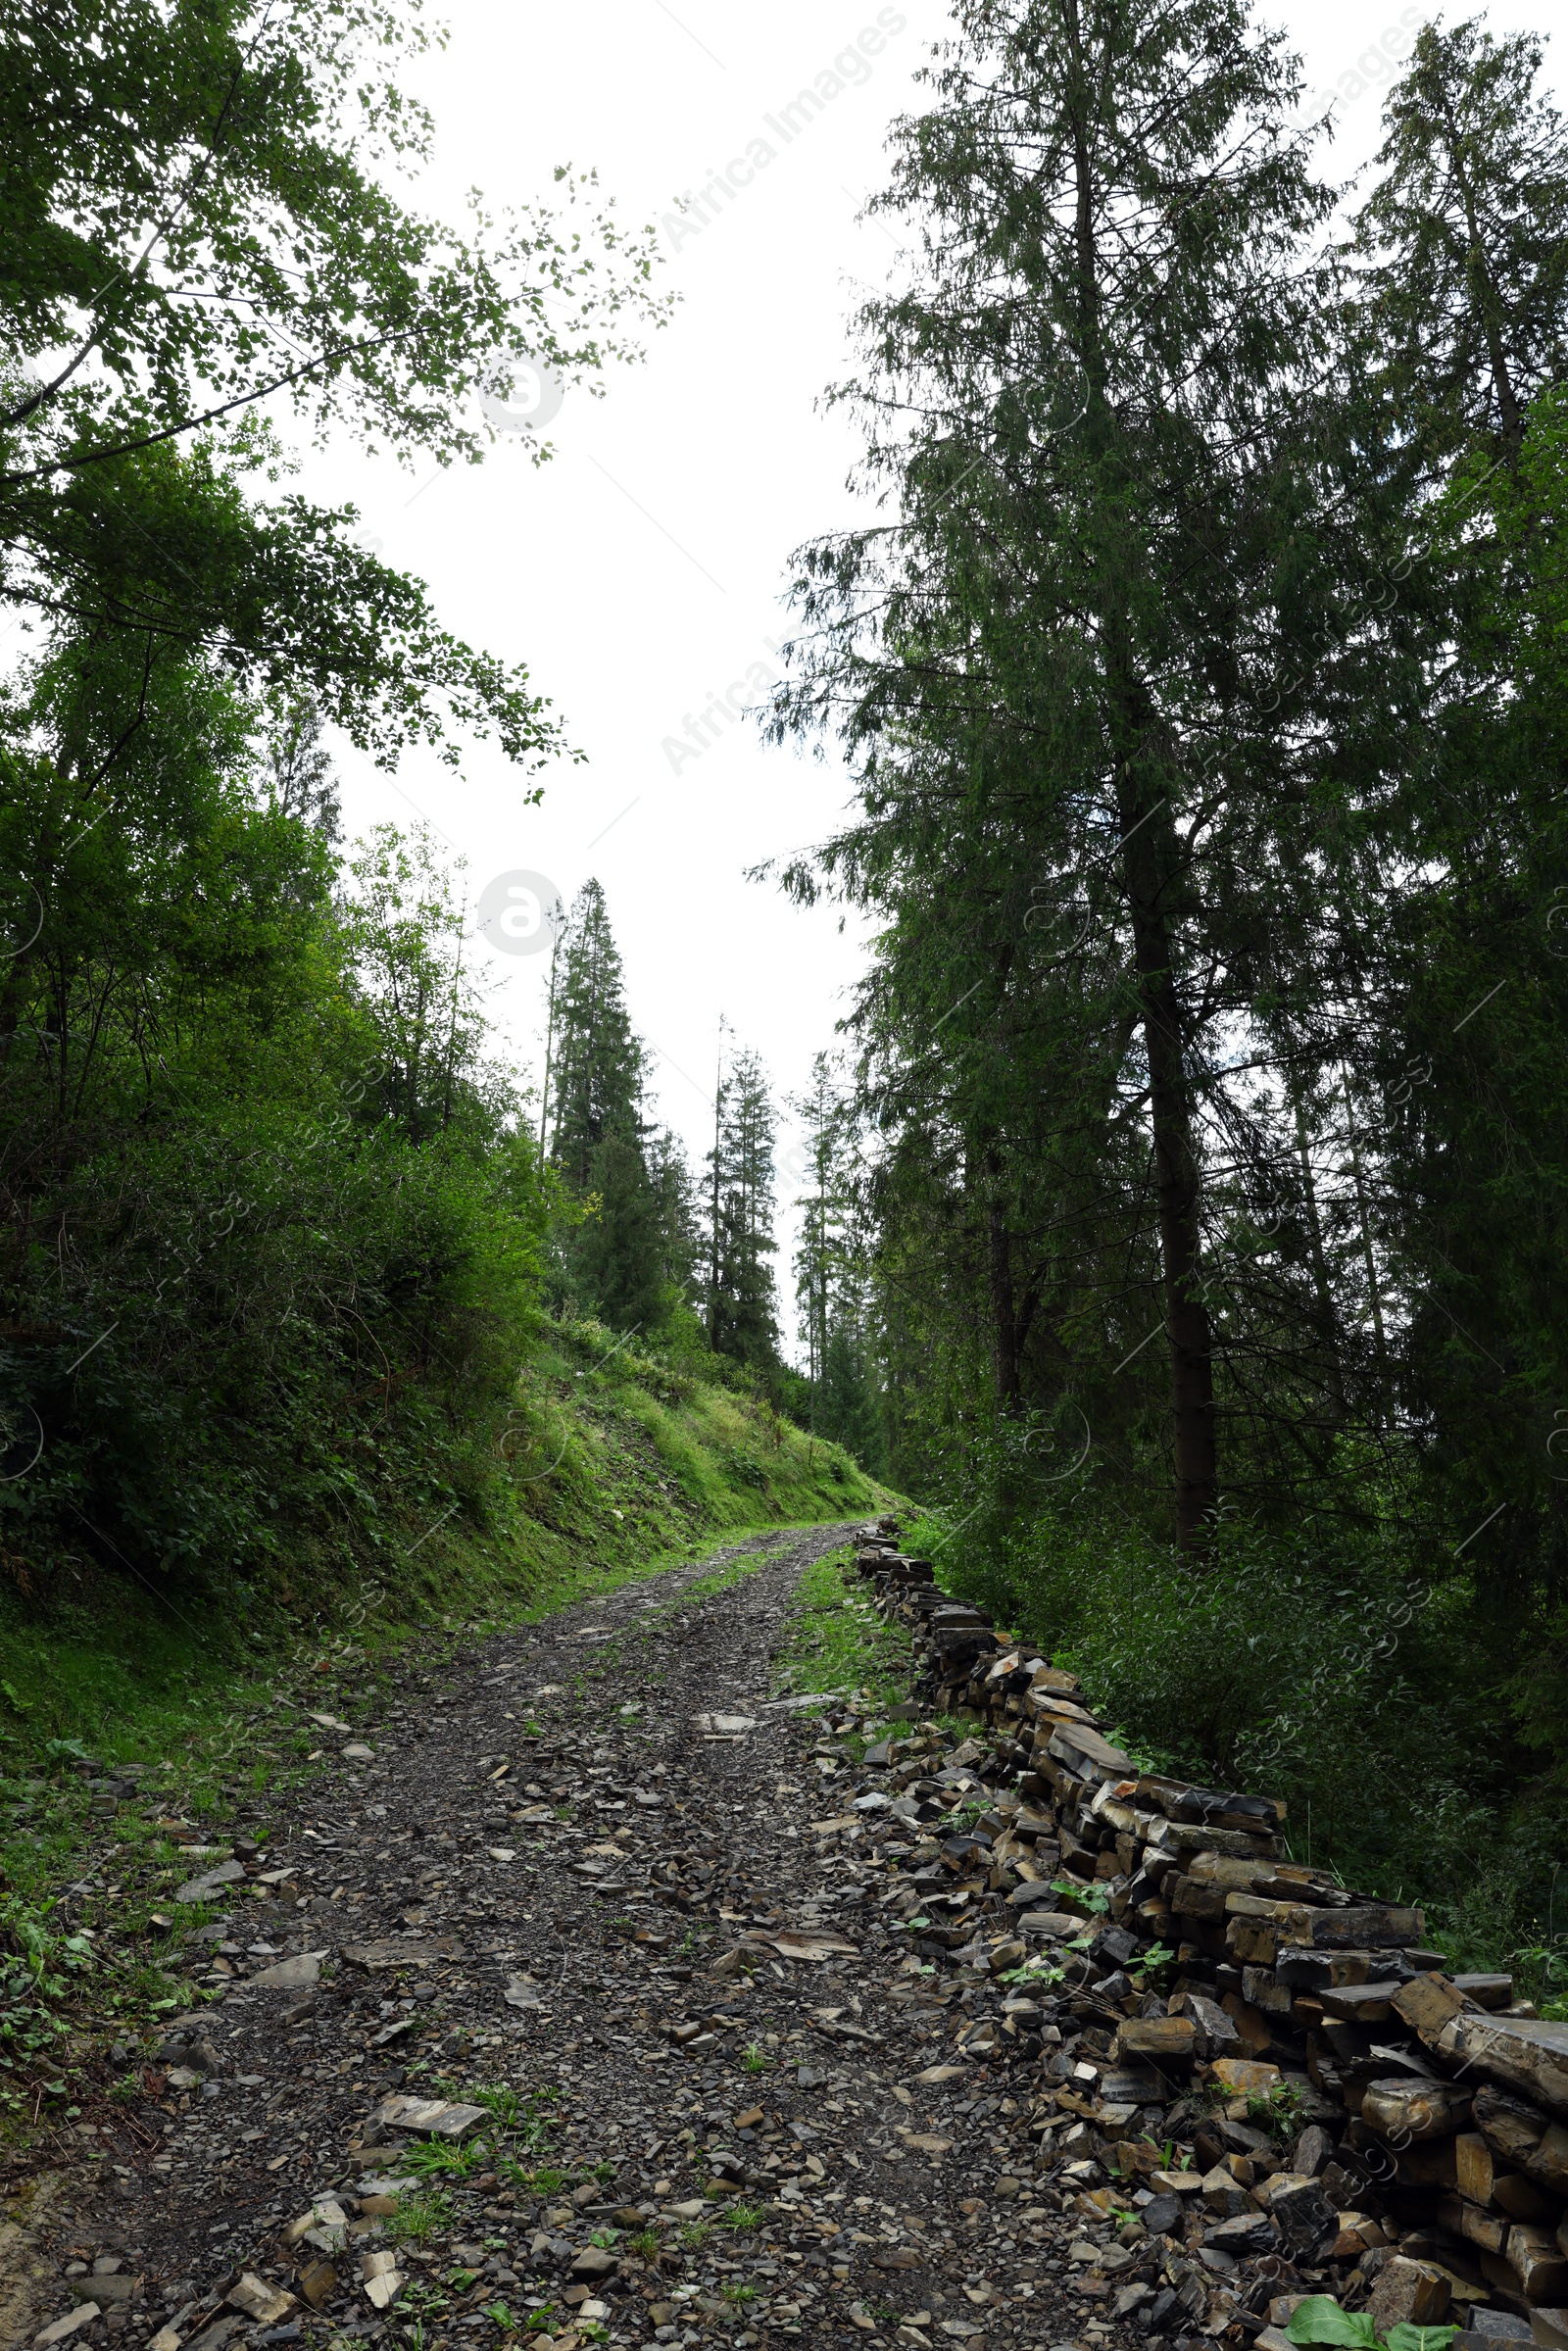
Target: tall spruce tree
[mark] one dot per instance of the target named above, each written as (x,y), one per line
(1463,312)
(848,1408)
(1466,240)
(742,1302)
(300,778)
(1092,405)
(614,1260)
(831,1290)
(820,1248)
(678,1218)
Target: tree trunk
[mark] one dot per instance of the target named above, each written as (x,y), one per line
(1141,807)
(1187,1323)
(1004,1311)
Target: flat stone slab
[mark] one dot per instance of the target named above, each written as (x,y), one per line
(430,2118)
(403,1950)
(802,1942)
(212,1882)
(289,1975)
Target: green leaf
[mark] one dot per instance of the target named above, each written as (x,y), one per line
(1405,2337)
(1320,2319)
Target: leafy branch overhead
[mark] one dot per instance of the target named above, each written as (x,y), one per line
(199,238)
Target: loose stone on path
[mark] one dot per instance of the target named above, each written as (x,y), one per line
(573,2006)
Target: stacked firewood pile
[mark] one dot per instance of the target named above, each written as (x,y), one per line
(1245,2060)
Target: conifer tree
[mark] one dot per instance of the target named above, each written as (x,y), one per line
(1466,241)
(741,1304)
(849,1403)
(1463,312)
(830,1284)
(818,1251)
(1087,403)
(615,1257)
(599,1062)
(674,1190)
(300,767)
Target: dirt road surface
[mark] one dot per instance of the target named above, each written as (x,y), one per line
(578,1883)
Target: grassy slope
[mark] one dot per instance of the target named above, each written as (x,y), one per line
(616,1467)
(619,1468)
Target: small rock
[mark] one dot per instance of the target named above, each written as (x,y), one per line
(595,2261)
(315,2284)
(265,2304)
(432,2118)
(1415,2293)
(108,2287)
(382,2279)
(63,2329)
(401,1950)
(209,1887)
(325,2213)
(290,1974)
(1247,2232)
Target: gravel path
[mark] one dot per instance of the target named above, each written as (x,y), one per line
(584,1911)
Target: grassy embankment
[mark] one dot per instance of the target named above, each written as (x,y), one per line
(619,1466)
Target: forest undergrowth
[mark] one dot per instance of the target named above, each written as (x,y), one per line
(1315,1668)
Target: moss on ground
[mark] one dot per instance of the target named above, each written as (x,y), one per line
(837,1643)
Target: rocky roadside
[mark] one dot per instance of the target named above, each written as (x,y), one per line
(573,2009)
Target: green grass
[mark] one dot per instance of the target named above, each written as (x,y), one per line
(417,2218)
(838,1642)
(436,2159)
(212,1703)
(657,1468)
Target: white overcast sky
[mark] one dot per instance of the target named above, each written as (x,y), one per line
(640,572)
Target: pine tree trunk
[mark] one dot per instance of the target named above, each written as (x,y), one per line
(1140,807)
(1187,1323)
(1004,1311)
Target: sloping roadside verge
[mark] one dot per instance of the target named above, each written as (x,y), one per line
(143,1746)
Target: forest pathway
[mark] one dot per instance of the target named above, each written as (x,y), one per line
(494,1911)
